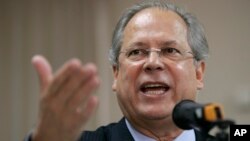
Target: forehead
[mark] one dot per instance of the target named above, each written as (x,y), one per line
(150,14)
(156,21)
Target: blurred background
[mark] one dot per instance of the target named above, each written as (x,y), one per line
(64,29)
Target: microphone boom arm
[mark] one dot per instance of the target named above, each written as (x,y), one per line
(190,115)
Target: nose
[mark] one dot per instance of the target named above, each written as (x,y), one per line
(153,62)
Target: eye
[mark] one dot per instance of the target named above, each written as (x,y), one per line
(170,51)
(136,52)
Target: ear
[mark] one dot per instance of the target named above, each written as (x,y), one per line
(115,75)
(200,70)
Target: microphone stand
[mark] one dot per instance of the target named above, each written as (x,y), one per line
(222,134)
(190,115)
(223,125)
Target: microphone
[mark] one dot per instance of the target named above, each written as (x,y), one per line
(190,115)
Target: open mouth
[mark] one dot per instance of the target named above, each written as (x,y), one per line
(154,88)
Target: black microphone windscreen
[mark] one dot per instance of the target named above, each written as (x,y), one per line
(184,114)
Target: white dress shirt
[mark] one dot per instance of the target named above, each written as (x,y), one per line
(186,135)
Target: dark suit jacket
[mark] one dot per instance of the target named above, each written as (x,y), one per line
(119,132)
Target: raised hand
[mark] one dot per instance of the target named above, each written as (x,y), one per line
(66,102)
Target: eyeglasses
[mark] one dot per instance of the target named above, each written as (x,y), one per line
(174,54)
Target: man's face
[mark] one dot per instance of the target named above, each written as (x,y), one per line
(150,88)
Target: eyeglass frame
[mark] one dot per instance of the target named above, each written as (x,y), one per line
(160,52)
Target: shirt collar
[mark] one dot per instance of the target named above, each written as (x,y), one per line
(186,135)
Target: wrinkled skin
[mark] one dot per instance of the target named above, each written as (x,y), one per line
(65,102)
(151,114)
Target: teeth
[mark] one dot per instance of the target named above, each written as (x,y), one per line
(154,92)
(152,85)
(154,89)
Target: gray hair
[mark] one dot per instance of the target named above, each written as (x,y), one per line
(195,36)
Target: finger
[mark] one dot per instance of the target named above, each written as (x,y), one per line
(43,69)
(81,77)
(63,75)
(85,111)
(83,92)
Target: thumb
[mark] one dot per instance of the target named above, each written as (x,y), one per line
(43,70)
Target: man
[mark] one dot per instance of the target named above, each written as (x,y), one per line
(158,53)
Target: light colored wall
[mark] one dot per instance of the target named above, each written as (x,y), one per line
(227,76)
(62,29)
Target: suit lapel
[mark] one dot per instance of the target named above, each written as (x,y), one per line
(120,132)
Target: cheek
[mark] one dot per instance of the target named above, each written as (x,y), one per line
(185,71)
(126,86)
(127,77)
(185,79)
(130,72)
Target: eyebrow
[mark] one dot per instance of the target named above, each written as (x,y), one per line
(169,43)
(137,44)
(142,44)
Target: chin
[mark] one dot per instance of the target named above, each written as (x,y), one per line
(156,114)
